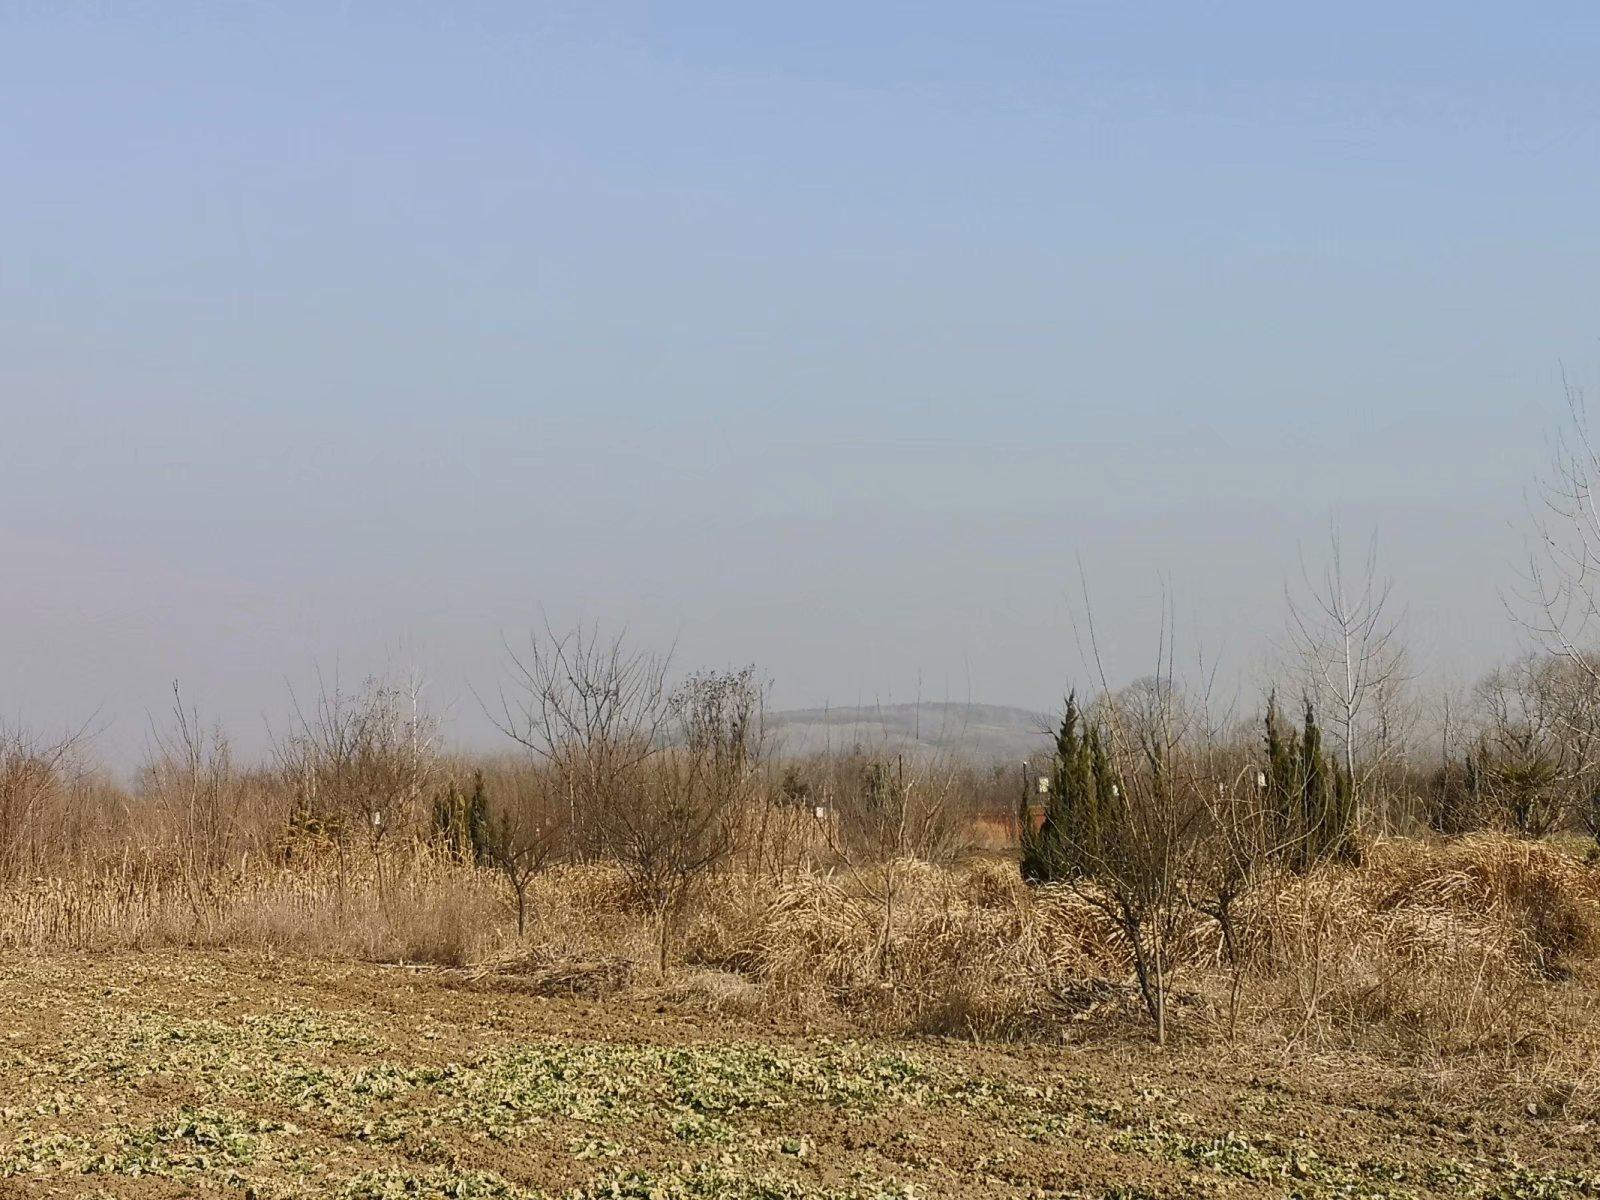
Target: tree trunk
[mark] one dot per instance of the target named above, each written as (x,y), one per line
(1161,995)
(1134,931)
(1230,946)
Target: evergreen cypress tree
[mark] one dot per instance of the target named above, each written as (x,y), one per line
(461,821)
(875,787)
(1314,786)
(1328,805)
(1068,788)
(1342,813)
(1068,753)
(1079,785)
(1040,847)
(1078,798)
(1284,780)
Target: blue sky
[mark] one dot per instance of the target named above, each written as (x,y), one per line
(827,336)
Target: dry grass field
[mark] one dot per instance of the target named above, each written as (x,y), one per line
(1423,1025)
(630,964)
(183,1072)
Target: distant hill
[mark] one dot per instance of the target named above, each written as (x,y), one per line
(979,733)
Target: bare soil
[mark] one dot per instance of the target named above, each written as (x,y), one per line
(184,1073)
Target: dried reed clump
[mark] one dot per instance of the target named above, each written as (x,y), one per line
(1449,947)
(598,888)
(1547,896)
(990,882)
(427,910)
(1441,948)
(430,911)
(806,941)
(1337,964)
(1000,971)
(968,951)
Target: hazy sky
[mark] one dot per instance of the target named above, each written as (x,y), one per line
(827,336)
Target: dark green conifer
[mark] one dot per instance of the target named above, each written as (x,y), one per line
(1080,784)
(1284,779)
(1327,800)
(1103,797)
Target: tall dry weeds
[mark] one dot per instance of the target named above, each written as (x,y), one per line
(1476,957)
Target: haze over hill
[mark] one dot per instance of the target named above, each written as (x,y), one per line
(838,354)
(979,733)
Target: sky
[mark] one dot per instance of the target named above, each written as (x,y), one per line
(845,339)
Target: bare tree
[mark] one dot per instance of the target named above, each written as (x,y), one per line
(675,823)
(1242,842)
(1559,603)
(880,815)
(1134,861)
(1345,640)
(1140,863)
(32,771)
(1235,859)
(525,831)
(359,765)
(653,780)
(191,770)
(1538,749)
(592,709)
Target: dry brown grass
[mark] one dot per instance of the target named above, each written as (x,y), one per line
(1463,944)
(1476,957)
(1474,960)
